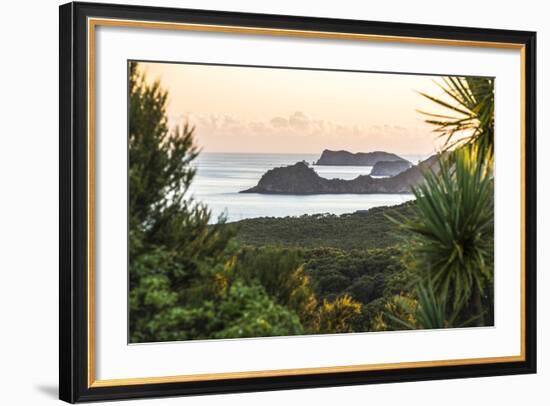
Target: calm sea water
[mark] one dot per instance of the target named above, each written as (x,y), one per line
(220,177)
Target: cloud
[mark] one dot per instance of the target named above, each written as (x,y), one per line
(279,122)
(221,132)
(299,121)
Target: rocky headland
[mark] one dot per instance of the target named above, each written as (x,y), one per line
(389,168)
(346,158)
(301,179)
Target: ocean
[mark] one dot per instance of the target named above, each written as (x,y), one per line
(220,177)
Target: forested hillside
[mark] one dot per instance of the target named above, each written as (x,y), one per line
(424,264)
(360,230)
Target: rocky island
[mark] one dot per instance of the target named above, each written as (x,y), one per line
(346,158)
(301,179)
(389,168)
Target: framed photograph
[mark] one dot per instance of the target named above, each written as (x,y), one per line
(256,202)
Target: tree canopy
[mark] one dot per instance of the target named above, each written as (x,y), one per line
(189,278)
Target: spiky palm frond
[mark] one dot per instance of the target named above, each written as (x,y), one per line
(451,233)
(429,310)
(432,309)
(470,102)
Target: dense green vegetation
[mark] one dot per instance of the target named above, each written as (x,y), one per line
(189,280)
(360,230)
(365,275)
(423,264)
(449,250)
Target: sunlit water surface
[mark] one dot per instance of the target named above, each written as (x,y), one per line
(220,177)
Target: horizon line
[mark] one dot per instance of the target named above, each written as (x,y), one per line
(311,153)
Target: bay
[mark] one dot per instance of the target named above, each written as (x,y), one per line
(220,177)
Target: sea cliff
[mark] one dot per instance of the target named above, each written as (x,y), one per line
(389,168)
(301,179)
(346,158)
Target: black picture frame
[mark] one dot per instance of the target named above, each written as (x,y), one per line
(73,256)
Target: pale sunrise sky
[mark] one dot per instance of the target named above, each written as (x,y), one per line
(244,109)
